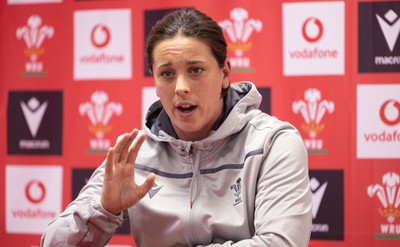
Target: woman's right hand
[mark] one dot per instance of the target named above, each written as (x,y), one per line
(120,190)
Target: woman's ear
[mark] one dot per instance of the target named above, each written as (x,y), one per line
(226,71)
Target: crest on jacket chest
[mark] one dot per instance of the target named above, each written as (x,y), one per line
(237,191)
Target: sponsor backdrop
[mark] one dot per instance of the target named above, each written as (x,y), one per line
(72,78)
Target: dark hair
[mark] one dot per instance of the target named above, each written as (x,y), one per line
(188,23)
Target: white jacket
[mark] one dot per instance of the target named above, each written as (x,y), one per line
(246,184)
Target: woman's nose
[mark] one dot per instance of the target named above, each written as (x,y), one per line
(182,85)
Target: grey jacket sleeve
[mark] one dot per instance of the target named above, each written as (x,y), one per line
(283,202)
(85,222)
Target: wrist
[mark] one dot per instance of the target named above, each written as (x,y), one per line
(106,208)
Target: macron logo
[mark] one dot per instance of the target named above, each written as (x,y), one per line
(390,27)
(317,194)
(33,113)
(154,190)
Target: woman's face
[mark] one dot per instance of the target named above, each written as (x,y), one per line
(189,81)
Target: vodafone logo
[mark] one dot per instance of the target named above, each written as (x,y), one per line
(100,36)
(378,121)
(102,44)
(35,191)
(312,29)
(390,112)
(313,38)
(33,197)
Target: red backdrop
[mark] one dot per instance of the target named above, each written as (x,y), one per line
(72,79)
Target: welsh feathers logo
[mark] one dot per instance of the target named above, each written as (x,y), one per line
(239,29)
(99,111)
(313,108)
(34,34)
(237,188)
(388,194)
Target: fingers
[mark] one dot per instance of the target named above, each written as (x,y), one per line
(109,159)
(135,146)
(125,148)
(122,146)
(121,140)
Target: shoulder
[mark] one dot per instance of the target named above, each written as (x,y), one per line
(271,126)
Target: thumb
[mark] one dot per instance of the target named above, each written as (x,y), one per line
(147,185)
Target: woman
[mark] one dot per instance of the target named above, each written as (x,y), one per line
(213,169)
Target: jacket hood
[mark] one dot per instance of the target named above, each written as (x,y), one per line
(240,105)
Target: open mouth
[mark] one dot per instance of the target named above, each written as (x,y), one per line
(186,108)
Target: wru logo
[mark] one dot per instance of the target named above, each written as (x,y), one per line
(388,194)
(312,109)
(239,29)
(34,34)
(99,112)
(237,187)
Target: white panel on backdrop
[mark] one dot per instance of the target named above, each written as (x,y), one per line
(149,96)
(313,38)
(32,1)
(33,197)
(378,121)
(102,44)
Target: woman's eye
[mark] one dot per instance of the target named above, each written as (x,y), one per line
(167,74)
(196,70)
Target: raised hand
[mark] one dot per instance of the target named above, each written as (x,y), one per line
(119,188)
